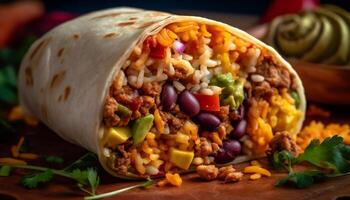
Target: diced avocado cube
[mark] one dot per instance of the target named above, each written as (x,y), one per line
(116,136)
(141,127)
(180,158)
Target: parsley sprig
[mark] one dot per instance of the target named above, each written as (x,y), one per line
(328,159)
(84,178)
(80,171)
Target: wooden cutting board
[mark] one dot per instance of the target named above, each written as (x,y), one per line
(43,141)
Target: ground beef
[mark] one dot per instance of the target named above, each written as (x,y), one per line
(124,95)
(175,119)
(122,160)
(146,105)
(205,147)
(229,174)
(262,90)
(207,172)
(277,76)
(151,89)
(179,74)
(109,112)
(224,112)
(282,141)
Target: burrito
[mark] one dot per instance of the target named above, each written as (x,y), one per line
(152,92)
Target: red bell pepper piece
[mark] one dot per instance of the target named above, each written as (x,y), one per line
(156,51)
(282,7)
(208,102)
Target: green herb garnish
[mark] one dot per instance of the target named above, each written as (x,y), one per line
(5,170)
(329,159)
(53,159)
(109,194)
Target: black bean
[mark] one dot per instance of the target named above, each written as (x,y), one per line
(239,129)
(208,121)
(188,103)
(222,157)
(168,97)
(232,147)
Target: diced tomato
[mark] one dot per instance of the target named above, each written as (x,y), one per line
(208,102)
(158,52)
(135,103)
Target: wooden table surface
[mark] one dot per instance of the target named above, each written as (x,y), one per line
(44,141)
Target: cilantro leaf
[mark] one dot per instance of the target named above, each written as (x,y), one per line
(282,160)
(330,154)
(80,176)
(5,170)
(301,179)
(93,179)
(86,177)
(53,159)
(33,180)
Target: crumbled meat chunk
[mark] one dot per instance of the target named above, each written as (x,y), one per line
(263,90)
(124,95)
(224,113)
(233,177)
(151,89)
(109,113)
(175,119)
(277,76)
(147,103)
(122,160)
(223,171)
(229,174)
(180,73)
(205,147)
(207,172)
(282,141)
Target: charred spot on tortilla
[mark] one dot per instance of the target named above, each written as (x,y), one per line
(109,35)
(125,23)
(43,109)
(59,99)
(133,18)
(36,49)
(76,36)
(60,52)
(113,15)
(66,94)
(29,76)
(57,79)
(146,24)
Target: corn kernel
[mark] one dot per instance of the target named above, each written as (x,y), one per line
(174,179)
(255,176)
(257,169)
(154,156)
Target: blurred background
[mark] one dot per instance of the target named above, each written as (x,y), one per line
(22,22)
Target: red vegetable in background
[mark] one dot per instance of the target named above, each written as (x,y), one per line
(15,15)
(51,20)
(281,7)
(208,102)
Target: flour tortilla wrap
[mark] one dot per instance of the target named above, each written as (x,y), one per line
(65,76)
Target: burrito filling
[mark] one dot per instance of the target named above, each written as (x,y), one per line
(195,94)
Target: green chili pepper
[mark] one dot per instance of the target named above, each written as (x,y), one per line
(296,98)
(123,111)
(141,127)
